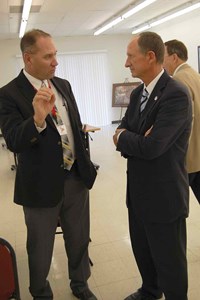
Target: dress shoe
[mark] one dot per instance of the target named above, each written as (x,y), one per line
(140,296)
(85,295)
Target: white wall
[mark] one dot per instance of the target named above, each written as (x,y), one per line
(185,29)
(115,46)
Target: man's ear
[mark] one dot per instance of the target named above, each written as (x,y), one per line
(27,58)
(151,56)
(175,57)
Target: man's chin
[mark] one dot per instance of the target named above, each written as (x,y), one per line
(51,75)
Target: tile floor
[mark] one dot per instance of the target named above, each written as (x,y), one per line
(114,274)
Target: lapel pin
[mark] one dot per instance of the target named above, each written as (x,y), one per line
(156,98)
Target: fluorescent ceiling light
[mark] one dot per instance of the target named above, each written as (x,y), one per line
(25,15)
(126,15)
(108,26)
(166,18)
(143,28)
(22,28)
(137,8)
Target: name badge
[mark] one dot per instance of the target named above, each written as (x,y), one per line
(62,129)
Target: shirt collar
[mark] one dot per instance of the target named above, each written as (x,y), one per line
(152,84)
(36,83)
(176,70)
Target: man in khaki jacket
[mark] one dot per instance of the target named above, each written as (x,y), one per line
(175,64)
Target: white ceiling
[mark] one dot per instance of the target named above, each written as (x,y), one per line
(78,17)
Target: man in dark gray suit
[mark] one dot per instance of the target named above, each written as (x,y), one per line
(153,136)
(38,113)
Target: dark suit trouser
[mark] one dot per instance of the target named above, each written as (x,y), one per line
(160,253)
(194,182)
(41,223)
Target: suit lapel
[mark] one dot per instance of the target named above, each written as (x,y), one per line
(154,98)
(134,107)
(156,93)
(63,90)
(28,92)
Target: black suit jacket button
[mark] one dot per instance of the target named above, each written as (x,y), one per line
(33,140)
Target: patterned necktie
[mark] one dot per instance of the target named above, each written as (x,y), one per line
(143,100)
(67,151)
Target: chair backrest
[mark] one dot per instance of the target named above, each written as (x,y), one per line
(9,284)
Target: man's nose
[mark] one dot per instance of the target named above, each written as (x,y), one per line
(127,64)
(54,62)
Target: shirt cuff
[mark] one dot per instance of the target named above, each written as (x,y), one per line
(40,129)
(119,134)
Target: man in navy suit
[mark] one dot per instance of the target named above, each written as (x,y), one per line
(47,185)
(153,136)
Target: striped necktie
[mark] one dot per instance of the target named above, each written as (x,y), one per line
(67,150)
(143,100)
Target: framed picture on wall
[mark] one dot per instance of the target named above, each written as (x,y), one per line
(198,49)
(121,93)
